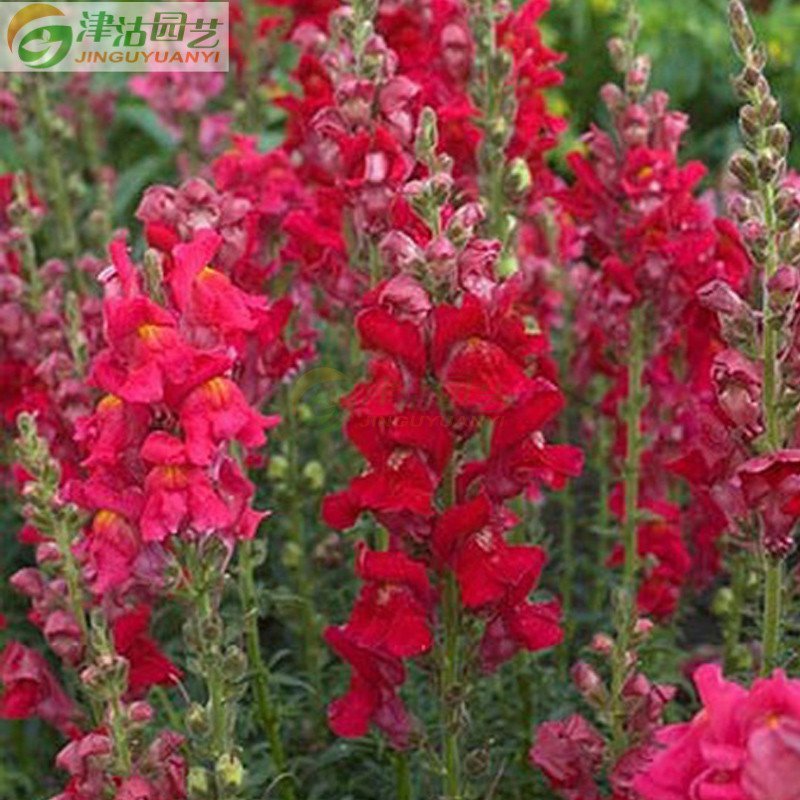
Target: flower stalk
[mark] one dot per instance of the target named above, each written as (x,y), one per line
(451,668)
(267,714)
(56,180)
(297,541)
(760,169)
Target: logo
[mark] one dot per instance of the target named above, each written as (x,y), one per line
(115,36)
(39,46)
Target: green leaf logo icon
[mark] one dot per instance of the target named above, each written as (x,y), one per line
(40,46)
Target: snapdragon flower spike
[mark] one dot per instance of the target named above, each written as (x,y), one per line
(354,131)
(450,354)
(652,244)
(216,246)
(158,773)
(37,364)
(158,461)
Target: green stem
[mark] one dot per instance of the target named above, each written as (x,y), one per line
(773,568)
(72,576)
(267,714)
(375,265)
(451,668)
(252,66)
(173,718)
(402,769)
(305,586)
(450,690)
(633,413)
(733,621)
(33,281)
(492,156)
(625,611)
(215,683)
(57,184)
(771,633)
(603,520)
(567,538)
(207,579)
(121,746)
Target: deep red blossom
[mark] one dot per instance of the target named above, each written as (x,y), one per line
(217,412)
(29,689)
(666,562)
(770,485)
(403,485)
(147,665)
(392,613)
(470,540)
(372,696)
(569,752)
(212,307)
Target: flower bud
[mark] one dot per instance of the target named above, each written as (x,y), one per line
(477,761)
(778,138)
(229,772)
(498,132)
(783,286)
(744,169)
(198,784)
(602,643)
(638,76)
(723,602)
(314,474)
(291,555)
(278,468)
(328,552)
(786,209)
(769,165)
(304,413)
(741,31)
(517,179)
(618,52)
(749,123)
(427,138)
(197,720)
(211,628)
(234,664)
(589,683)
(140,712)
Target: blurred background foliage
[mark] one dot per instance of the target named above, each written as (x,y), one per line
(692,60)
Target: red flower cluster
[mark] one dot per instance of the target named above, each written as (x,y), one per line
(36,363)
(653,245)
(158,439)
(441,372)
(354,127)
(743,744)
(573,755)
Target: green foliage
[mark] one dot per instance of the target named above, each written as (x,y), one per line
(692,61)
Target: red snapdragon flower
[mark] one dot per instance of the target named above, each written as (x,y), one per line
(147,665)
(372,697)
(569,752)
(742,745)
(31,690)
